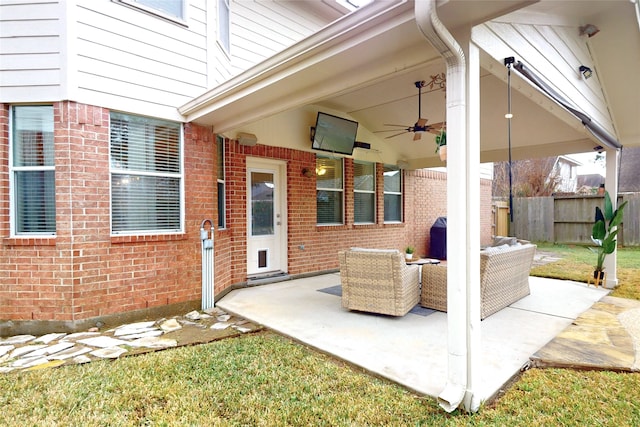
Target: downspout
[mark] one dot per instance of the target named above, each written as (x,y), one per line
(455,391)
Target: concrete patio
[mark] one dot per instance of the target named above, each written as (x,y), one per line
(412,350)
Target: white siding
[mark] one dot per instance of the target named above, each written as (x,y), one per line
(262,28)
(30,50)
(105,53)
(137,62)
(554,52)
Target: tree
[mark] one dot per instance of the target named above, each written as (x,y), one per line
(530,178)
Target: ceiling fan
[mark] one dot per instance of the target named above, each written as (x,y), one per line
(421,125)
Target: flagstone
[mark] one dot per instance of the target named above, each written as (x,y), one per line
(52,349)
(18,339)
(154,342)
(220,325)
(193,315)
(46,339)
(4,349)
(135,326)
(80,335)
(23,351)
(224,317)
(108,352)
(81,359)
(70,352)
(170,325)
(27,362)
(134,331)
(241,329)
(102,342)
(153,333)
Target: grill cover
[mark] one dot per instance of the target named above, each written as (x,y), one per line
(438,236)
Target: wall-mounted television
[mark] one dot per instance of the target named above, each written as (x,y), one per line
(334,134)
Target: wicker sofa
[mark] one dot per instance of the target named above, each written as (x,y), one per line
(504,279)
(378,281)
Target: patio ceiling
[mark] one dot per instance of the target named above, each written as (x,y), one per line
(365,64)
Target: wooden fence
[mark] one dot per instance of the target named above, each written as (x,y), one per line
(565,219)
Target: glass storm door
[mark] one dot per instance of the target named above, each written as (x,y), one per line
(266,225)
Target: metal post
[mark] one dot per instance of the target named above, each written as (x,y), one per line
(208,299)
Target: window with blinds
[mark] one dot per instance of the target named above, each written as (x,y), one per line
(392,194)
(329,191)
(364,189)
(146,175)
(32,170)
(222,205)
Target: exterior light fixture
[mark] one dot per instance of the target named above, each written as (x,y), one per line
(586,71)
(589,30)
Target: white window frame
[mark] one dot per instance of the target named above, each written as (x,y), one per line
(135,4)
(224,6)
(372,192)
(340,190)
(395,193)
(122,171)
(221,182)
(16,169)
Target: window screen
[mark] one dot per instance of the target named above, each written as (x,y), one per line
(33,170)
(364,188)
(146,175)
(329,191)
(392,194)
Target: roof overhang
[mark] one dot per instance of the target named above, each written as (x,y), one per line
(364,66)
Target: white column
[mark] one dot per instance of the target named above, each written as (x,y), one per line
(472,238)
(611,186)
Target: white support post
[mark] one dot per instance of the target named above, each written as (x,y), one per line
(611,186)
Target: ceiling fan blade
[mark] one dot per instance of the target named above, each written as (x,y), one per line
(421,122)
(436,128)
(402,126)
(392,130)
(417,136)
(397,134)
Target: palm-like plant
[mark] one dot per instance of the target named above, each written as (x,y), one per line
(603,233)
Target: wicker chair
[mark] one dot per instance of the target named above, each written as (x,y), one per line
(504,279)
(378,281)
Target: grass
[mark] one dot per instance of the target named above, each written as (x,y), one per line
(265,379)
(577,264)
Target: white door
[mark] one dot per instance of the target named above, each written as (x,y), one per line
(266,217)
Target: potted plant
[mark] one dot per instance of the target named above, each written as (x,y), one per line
(408,252)
(604,235)
(441,144)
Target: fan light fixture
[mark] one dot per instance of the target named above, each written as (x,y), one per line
(586,71)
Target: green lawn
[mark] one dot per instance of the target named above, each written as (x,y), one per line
(577,264)
(264,379)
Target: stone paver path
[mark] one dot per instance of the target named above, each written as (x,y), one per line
(28,352)
(607,336)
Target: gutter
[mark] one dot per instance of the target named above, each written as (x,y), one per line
(596,130)
(456,391)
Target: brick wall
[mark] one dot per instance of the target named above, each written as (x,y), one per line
(85,273)
(425,195)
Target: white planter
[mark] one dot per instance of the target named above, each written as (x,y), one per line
(443,152)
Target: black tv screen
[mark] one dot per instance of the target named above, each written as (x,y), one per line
(334,134)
